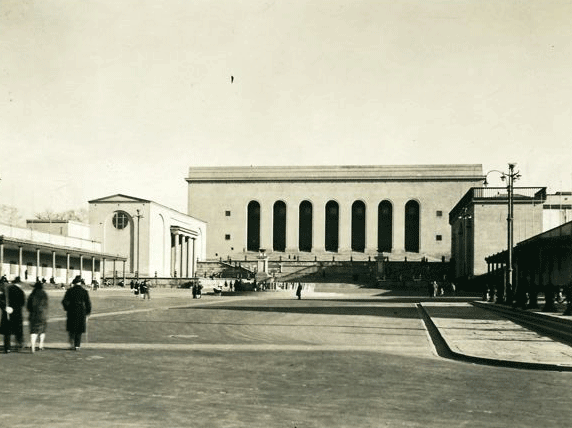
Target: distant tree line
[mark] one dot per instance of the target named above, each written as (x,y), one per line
(12,216)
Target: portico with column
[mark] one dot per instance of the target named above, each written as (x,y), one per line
(183,252)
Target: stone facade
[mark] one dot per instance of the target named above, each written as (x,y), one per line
(479,224)
(334,211)
(156,240)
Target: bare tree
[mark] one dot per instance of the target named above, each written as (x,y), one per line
(80,215)
(11,215)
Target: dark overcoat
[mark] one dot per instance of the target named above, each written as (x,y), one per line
(14,297)
(38,307)
(78,306)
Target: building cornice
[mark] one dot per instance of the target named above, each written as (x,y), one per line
(371,173)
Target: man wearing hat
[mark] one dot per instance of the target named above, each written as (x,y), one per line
(77,305)
(12,298)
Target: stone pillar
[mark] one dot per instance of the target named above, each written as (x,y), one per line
(20,262)
(92,268)
(172,261)
(176,271)
(344,226)
(266,223)
(319,226)
(399,227)
(1,259)
(54,271)
(188,257)
(102,265)
(181,242)
(370,228)
(123,273)
(193,259)
(38,272)
(292,224)
(67,268)
(81,265)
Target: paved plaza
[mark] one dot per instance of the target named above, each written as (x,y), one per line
(357,358)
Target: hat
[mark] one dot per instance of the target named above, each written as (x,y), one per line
(76,280)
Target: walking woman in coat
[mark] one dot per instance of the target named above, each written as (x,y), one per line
(38,307)
(77,304)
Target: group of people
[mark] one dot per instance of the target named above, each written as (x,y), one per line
(140,288)
(76,303)
(436,289)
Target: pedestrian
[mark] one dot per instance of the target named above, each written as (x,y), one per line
(11,301)
(194,290)
(38,308)
(299,291)
(77,305)
(453,289)
(435,288)
(145,290)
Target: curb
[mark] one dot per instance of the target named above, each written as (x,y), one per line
(436,336)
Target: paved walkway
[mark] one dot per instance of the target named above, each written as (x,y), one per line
(479,334)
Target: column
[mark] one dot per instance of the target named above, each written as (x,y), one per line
(193,259)
(176,256)
(1,259)
(102,268)
(114,272)
(399,227)
(370,227)
(20,262)
(182,256)
(67,268)
(266,216)
(92,268)
(345,226)
(172,253)
(54,265)
(292,223)
(319,226)
(123,273)
(81,265)
(38,272)
(187,259)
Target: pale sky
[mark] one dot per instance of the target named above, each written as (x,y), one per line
(122,96)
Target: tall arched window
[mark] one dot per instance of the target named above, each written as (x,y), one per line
(384,227)
(253,227)
(412,226)
(279,227)
(332,226)
(305,227)
(358,226)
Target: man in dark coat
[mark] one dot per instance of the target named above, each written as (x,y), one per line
(77,304)
(12,299)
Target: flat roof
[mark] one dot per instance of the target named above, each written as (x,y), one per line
(445,172)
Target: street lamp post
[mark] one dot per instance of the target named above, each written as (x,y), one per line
(138,246)
(465,217)
(510,177)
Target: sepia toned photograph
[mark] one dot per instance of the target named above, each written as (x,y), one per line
(293,214)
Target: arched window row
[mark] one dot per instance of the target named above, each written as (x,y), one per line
(385,232)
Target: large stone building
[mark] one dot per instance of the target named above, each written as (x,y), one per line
(156,240)
(333,211)
(479,222)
